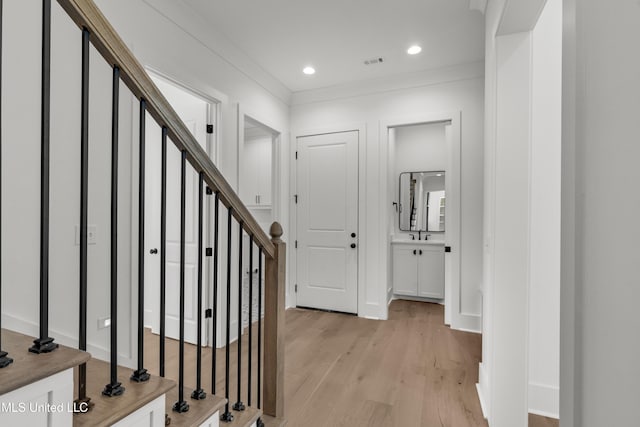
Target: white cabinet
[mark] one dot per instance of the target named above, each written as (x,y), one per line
(255,186)
(418,269)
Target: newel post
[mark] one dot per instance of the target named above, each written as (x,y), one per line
(274,307)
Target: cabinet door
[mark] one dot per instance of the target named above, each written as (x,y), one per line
(405,271)
(431,272)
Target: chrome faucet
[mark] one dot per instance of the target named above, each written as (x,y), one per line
(420,235)
(413,236)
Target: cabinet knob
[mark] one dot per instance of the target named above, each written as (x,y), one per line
(353,246)
(353,235)
(153,251)
(420,251)
(414,251)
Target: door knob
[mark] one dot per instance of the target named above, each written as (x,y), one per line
(153,251)
(353,246)
(353,234)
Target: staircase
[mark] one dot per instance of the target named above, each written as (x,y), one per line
(100,392)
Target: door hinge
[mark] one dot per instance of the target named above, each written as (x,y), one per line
(209,128)
(209,191)
(296,155)
(295,196)
(447,248)
(296,288)
(209,252)
(208,313)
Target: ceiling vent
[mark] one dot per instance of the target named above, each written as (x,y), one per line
(373,61)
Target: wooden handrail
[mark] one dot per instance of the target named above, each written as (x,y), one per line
(86,14)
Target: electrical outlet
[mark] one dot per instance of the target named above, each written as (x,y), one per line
(104,322)
(92,234)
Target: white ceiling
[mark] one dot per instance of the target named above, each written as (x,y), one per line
(336,36)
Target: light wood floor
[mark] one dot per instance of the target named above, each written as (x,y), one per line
(341,370)
(538,421)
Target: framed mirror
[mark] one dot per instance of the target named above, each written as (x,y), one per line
(422,204)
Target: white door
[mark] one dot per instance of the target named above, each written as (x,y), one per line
(196,114)
(327,222)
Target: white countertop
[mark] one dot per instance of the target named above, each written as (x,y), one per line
(405,241)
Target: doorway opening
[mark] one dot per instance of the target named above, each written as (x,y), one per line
(423,213)
(257,183)
(199,114)
(257,148)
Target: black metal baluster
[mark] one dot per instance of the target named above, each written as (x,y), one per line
(259,326)
(249,364)
(228,416)
(259,423)
(239,406)
(141,374)
(84,213)
(163,250)
(214,358)
(198,393)
(114,388)
(44,343)
(181,405)
(4,359)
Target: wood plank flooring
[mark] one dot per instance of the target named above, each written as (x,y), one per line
(410,370)
(347,371)
(539,421)
(342,370)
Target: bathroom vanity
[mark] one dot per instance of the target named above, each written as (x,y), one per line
(418,268)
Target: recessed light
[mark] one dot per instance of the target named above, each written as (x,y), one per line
(414,50)
(309,70)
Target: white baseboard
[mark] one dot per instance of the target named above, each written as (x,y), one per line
(544,400)
(467,323)
(30,328)
(481,388)
(148,318)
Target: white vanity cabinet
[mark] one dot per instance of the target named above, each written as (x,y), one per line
(418,268)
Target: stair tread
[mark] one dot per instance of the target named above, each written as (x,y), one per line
(27,367)
(109,410)
(199,410)
(244,418)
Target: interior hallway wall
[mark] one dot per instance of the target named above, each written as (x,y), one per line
(601,262)
(519,372)
(369,104)
(544,284)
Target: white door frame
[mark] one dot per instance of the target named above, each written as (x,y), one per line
(453,316)
(361,128)
(212,149)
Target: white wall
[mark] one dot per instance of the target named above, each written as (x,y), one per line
(166,47)
(455,89)
(419,148)
(519,372)
(544,285)
(601,261)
